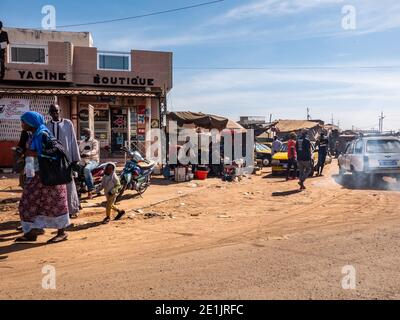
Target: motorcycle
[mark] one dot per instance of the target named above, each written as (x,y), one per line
(136,174)
(79,177)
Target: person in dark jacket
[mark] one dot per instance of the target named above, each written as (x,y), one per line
(322,145)
(304,156)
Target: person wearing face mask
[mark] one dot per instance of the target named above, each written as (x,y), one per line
(90,153)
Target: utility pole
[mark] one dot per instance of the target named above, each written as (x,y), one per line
(381,117)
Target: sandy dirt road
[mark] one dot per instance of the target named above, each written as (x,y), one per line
(258,239)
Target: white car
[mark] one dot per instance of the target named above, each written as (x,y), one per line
(371,157)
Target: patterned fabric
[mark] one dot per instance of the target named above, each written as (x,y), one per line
(42,206)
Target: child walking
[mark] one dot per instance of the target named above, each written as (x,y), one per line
(111,186)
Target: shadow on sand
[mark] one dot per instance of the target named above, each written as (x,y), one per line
(9,225)
(349,182)
(285,193)
(15,247)
(85,226)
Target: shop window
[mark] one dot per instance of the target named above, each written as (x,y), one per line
(114,61)
(28,54)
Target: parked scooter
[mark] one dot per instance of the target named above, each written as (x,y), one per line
(136,174)
(79,177)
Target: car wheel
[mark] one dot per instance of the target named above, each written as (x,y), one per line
(266,162)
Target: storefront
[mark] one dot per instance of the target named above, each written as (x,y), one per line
(125,91)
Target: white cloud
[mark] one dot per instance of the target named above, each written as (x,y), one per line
(308,19)
(275,8)
(354,97)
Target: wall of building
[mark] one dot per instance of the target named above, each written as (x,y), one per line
(149,69)
(42,37)
(58,69)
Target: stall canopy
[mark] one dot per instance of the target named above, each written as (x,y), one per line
(294,125)
(199,119)
(232,125)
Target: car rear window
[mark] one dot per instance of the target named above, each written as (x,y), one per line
(262,148)
(284,148)
(383,146)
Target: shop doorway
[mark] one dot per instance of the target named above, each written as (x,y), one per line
(119,129)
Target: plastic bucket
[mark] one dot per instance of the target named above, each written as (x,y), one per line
(201,175)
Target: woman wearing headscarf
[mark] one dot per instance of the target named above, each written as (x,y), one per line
(41,206)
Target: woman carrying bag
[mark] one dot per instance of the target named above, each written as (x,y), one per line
(44,199)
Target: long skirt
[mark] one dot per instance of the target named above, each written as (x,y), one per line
(43,207)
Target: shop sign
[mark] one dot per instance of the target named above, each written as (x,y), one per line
(107,99)
(103,106)
(124,81)
(100,113)
(42,75)
(13,109)
(119,122)
(155,123)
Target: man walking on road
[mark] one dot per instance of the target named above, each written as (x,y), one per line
(322,144)
(303,148)
(63,131)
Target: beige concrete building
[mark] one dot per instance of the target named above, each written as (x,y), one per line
(126,90)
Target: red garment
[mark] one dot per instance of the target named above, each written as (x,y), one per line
(292,153)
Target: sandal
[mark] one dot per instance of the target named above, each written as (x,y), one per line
(58,238)
(39,232)
(28,237)
(119,215)
(106,220)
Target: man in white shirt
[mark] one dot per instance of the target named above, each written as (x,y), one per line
(276,145)
(90,153)
(63,130)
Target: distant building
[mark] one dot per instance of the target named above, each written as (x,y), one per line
(256,123)
(251,120)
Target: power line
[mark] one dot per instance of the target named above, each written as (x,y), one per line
(141,16)
(290,68)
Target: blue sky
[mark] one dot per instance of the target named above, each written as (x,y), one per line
(285,36)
